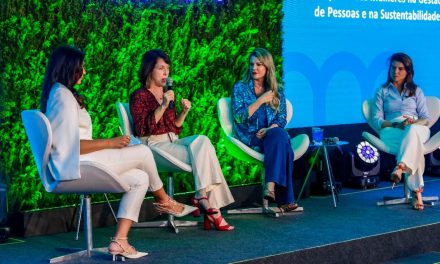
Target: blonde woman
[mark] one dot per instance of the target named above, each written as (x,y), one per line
(259,112)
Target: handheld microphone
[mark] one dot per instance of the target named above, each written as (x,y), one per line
(169,86)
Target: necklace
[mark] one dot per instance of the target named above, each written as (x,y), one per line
(158,94)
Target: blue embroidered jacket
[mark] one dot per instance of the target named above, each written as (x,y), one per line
(243,95)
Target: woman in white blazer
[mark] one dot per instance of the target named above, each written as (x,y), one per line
(73,143)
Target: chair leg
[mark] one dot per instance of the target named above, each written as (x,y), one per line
(78,221)
(111,208)
(89,251)
(170,222)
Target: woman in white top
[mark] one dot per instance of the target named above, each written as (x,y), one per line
(73,143)
(402,115)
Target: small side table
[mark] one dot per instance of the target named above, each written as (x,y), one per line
(328,167)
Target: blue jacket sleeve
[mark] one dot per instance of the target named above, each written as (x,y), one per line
(240,101)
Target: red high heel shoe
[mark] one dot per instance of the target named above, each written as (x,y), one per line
(200,209)
(216,221)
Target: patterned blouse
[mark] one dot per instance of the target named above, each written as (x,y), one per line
(142,106)
(243,95)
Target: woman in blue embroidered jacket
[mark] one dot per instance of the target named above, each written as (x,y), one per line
(259,112)
(402,115)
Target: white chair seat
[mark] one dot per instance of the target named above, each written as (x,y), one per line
(166,162)
(377,142)
(95,178)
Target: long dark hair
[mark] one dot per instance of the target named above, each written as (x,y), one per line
(148,63)
(66,67)
(409,67)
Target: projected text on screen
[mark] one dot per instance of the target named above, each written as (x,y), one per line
(335,53)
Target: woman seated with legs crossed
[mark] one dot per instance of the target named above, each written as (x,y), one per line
(259,112)
(401,113)
(73,144)
(157,124)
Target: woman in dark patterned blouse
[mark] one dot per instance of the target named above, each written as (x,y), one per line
(157,123)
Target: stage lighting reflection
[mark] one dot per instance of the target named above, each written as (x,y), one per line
(367,153)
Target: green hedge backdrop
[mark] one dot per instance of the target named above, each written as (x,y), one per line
(208,43)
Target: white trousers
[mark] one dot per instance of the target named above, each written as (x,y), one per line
(137,168)
(408,146)
(198,151)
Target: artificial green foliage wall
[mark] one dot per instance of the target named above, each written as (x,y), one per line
(208,44)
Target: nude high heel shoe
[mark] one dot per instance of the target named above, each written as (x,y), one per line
(172,207)
(123,252)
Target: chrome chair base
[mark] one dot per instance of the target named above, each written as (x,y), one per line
(171,223)
(428,200)
(80,254)
(265,209)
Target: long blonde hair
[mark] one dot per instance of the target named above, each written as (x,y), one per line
(270,80)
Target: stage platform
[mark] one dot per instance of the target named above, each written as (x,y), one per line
(357,231)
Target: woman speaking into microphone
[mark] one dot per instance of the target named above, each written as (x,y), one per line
(157,124)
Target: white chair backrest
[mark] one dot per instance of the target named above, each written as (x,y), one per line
(225,115)
(125,118)
(367,108)
(95,177)
(432,102)
(39,133)
(289,111)
(226,119)
(165,162)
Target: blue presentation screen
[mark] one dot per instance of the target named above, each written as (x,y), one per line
(335,53)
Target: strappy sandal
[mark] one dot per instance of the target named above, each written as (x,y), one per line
(196,202)
(211,219)
(124,252)
(417,204)
(172,207)
(396,175)
(288,207)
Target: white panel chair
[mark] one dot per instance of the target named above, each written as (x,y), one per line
(242,152)
(164,162)
(95,178)
(432,144)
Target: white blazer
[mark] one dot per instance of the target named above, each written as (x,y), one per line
(63,114)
